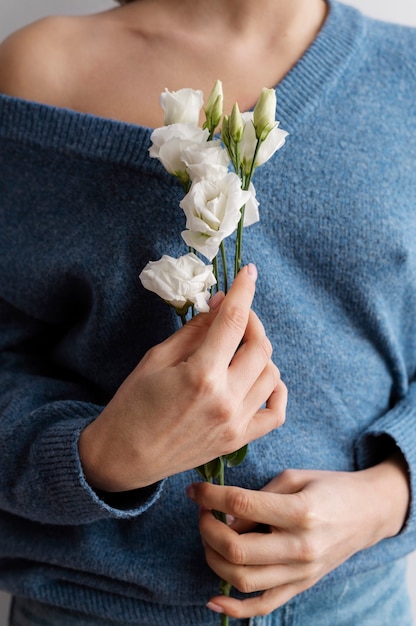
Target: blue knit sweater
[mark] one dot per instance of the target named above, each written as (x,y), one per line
(83,208)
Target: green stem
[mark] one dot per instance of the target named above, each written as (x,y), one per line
(246,180)
(224,266)
(252,168)
(215,269)
(239,242)
(225,587)
(224,619)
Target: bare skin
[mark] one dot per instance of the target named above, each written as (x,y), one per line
(317,520)
(115,64)
(190,399)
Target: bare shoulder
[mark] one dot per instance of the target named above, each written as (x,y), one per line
(35,60)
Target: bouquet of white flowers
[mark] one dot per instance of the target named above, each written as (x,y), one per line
(216,172)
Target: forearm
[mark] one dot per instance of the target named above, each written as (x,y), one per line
(386,490)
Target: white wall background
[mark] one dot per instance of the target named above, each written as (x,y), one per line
(16,13)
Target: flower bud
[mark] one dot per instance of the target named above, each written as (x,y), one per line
(236,124)
(265,113)
(214,106)
(225,131)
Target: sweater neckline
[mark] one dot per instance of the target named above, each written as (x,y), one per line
(320,68)
(299,92)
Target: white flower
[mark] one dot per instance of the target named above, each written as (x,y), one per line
(273,142)
(213,210)
(251,211)
(181,282)
(206,160)
(170,141)
(182,106)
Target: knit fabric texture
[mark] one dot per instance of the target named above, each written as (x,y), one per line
(83,208)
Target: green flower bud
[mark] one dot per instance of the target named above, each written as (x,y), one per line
(214,106)
(236,124)
(225,131)
(264,118)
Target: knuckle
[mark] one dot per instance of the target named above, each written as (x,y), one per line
(224,411)
(231,433)
(283,389)
(306,517)
(234,553)
(203,382)
(280,419)
(152,356)
(281,416)
(239,503)
(287,478)
(243,582)
(236,318)
(308,551)
(267,347)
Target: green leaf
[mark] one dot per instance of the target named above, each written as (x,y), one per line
(237,457)
(211,470)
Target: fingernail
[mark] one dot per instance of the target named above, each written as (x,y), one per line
(252,271)
(215,607)
(190,492)
(230,519)
(216,300)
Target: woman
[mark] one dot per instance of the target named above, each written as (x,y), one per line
(99,434)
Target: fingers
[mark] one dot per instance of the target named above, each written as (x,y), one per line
(252,355)
(255,562)
(263,421)
(213,338)
(258,506)
(227,546)
(179,346)
(226,332)
(257,606)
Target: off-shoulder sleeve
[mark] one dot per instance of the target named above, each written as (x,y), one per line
(43,409)
(395,429)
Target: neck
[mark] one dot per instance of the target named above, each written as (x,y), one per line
(236,18)
(246,44)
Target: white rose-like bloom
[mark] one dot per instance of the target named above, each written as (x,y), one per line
(169,142)
(251,211)
(273,142)
(181,282)
(206,160)
(183,106)
(213,210)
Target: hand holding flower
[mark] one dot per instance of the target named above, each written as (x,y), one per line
(190,399)
(316,519)
(218,203)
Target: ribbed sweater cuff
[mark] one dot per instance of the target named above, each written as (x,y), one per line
(66,496)
(395,427)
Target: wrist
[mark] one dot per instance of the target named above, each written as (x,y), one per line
(388,496)
(100,459)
